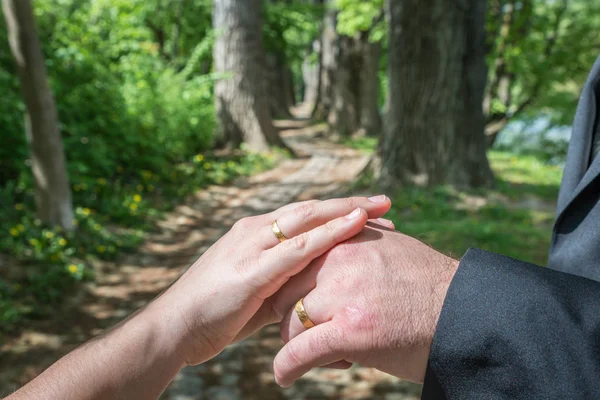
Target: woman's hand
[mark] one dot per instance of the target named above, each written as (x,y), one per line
(225,289)
(215,301)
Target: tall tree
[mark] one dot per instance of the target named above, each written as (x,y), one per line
(48,164)
(327,67)
(434,131)
(344,115)
(369,116)
(357,42)
(241,97)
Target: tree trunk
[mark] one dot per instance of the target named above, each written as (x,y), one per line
(48,164)
(434,130)
(278,97)
(370,118)
(288,86)
(311,74)
(242,104)
(344,116)
(327,64)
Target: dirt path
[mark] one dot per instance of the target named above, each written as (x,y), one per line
(243,371)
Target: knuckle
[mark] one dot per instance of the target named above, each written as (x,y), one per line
(331,228)
(293,358)
(300,243)
(359,319)
(305,212)
(243,224)
(344,251)
(351,202)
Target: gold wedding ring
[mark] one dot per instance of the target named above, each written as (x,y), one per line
(277,232)
(302,315)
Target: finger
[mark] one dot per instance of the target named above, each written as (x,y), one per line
(319,309)
(297,287)
(307,216)
(289,207)
(263,317)
(292,256)
(339,365)
(386,223)
(322,345)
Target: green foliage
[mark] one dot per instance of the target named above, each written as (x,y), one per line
(290,29)
(136,110)
(546,50)
(356,16)
(120,102)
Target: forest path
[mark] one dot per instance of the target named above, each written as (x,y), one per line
(243,371)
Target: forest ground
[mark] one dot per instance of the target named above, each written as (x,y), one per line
(514,218)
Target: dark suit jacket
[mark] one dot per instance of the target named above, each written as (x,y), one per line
(513,330)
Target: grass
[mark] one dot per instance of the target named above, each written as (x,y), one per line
(514,219)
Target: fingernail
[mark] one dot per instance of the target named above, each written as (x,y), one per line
(354,214)
(385,221)
(378,199)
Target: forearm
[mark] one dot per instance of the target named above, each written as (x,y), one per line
(134,360)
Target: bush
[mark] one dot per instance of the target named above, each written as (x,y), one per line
(137,128)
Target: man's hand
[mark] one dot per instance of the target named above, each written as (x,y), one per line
(375,300)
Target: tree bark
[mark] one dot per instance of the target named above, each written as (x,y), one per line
(327,64)
(288,86)
(311,72)
(48,164)
(278,97)
(434,130)
(369,115)
(344,116)
(242,104)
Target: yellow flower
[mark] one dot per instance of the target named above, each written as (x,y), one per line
(62,242)
(86,211)
(207,166)
(133,206)
(198,158)
(49,235)
(101,249)
(14,231)
(20,228)
(19,207)
(96,227)
(73,268)
(34,242)
(137,198)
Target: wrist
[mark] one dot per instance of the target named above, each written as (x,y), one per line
(166,332)
(441,282)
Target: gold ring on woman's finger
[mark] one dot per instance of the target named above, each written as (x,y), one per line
(277,232)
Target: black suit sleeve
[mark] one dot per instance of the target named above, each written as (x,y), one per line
(513,330)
